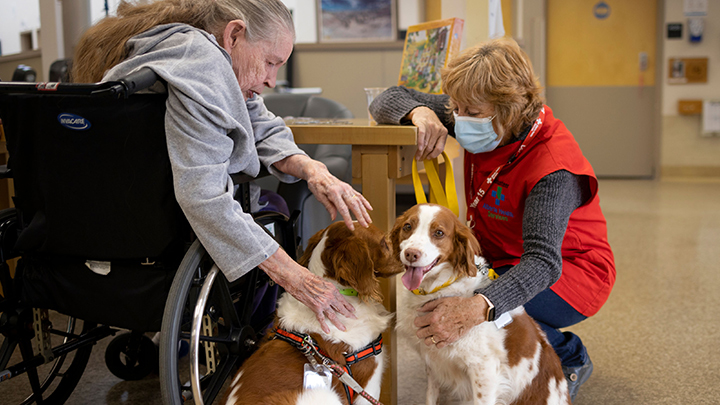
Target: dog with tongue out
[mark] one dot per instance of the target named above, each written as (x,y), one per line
(437,250)
(508,360)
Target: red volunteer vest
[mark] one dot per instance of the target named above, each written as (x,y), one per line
(588,269)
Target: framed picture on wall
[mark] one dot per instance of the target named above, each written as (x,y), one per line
(356,20)
(428,48)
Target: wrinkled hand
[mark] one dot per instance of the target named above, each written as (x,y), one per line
(432,134)
(338,197)
(448,319)
(322,297)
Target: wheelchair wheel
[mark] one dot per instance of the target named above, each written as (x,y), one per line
(131,356)
(224,335)
(48,382)
(49,375)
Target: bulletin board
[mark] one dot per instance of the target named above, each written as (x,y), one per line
(687,70)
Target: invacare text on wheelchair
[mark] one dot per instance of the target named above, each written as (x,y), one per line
(97,240)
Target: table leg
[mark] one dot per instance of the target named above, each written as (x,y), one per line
(379,189)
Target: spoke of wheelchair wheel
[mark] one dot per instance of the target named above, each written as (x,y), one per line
(216,339)
(63,334)
(247,304)
(216,383)
(27,354)
(227,309)
(6,350)
(54,371)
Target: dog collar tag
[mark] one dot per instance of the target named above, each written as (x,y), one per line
(484,269)
(503,320)
(317,379)
(488,272)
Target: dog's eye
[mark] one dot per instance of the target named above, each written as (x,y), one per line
(407,227)
(439,234)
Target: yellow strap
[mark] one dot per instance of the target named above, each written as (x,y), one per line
(446,197)
(417,184)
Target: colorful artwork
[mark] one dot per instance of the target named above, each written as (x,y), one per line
(428,47)
(357,20)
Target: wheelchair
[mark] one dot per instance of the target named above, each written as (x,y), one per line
(96,246)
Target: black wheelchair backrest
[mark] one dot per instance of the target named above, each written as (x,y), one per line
(90,166)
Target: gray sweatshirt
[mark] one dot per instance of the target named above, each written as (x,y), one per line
(212,132)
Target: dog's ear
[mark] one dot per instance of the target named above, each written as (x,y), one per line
(394,234)
(466,247)
(353,266)
(312,243)
(387,262)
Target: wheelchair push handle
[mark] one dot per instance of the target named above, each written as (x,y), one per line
(139,80)
(122,88)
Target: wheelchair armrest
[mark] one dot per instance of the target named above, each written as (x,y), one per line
(242,178)
(294,194)
(5,173)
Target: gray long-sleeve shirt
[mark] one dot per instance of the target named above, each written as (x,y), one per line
(547,208)
(211,133)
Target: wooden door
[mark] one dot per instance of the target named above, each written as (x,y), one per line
(601,80)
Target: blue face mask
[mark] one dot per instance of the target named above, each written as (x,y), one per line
(476,135)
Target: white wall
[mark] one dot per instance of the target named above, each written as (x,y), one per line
(20,16)
(684,151)
(97,9)
(16,17)
(305,18)
(709,47)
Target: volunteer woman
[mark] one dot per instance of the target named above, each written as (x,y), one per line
(532,199)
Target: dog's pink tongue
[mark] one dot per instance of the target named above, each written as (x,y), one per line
(413,277)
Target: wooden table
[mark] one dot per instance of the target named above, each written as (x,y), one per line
(381,154)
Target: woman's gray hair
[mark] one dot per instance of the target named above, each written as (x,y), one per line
(103,45)
(263,17)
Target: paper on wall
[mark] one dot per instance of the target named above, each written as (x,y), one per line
(695,8)
(495,23)
(711,116)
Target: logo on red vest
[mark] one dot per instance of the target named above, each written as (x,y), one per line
(496,212)
(498,195)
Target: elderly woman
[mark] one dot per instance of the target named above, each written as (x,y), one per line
(532,199)
(215,57)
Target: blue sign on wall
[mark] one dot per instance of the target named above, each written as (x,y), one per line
(601,10)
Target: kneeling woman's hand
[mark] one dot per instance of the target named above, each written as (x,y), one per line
(448,319)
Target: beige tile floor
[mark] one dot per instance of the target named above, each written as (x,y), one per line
(656,339)
(654,342)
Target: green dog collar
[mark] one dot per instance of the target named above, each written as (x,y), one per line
(350,292)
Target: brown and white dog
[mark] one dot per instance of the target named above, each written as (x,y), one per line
(492,363)
(352,260)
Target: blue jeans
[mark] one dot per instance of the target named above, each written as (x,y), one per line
(552,312)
